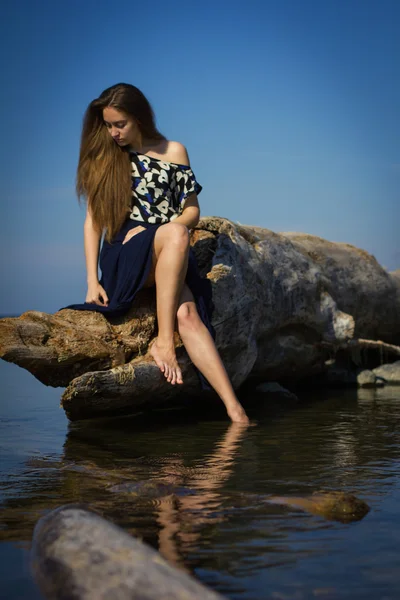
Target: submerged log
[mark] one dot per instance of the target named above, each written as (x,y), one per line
(333,506)
(78,554)
(283,304)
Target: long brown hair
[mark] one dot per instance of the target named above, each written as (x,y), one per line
(104,169)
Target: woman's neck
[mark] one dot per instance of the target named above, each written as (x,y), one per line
(143,147)
(158,146)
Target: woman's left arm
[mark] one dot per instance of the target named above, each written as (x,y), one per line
(190,215)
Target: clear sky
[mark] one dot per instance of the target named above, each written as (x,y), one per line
(289,110)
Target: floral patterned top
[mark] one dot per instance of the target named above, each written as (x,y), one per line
(159,189)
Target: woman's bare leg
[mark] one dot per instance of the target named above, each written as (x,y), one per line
(204,355)
(170,260)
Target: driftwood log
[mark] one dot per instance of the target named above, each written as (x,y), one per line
(284,303)
(78,554)
(333,505)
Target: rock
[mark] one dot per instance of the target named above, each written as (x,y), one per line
(367,378)
(89,470)
(283,304)
(334,506)
(272,387)
(337,375)
(390,373)
(143,489)
(78,554)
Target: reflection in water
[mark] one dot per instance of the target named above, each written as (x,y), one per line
(181,520)
(204,509)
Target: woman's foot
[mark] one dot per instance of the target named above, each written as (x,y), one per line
(165,358)
(238,415)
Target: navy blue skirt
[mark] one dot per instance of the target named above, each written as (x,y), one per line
(126,267)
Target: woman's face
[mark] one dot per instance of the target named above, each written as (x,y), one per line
(122,127)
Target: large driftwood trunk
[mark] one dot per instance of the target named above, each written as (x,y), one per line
(78,554)
(280,300)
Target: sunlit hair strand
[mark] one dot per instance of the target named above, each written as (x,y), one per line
(104,168)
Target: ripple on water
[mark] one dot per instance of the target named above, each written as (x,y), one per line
(209,515)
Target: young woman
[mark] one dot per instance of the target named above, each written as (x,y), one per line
(142,192)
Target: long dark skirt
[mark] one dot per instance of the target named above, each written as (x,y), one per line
(126,267)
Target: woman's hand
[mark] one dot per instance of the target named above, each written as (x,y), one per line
(96,295)
(133,232)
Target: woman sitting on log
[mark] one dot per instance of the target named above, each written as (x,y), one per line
(142,193)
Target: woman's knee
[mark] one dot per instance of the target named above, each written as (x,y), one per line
(188,317)
(177,234)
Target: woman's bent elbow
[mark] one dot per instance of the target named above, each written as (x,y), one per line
(196,217)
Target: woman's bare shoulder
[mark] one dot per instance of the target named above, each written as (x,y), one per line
(169,151)
(177,153)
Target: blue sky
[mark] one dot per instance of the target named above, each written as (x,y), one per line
(289,110)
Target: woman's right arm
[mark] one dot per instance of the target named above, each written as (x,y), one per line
(92,236)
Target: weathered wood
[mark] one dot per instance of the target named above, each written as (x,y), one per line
(109,392)
(78,554)
(283,302)
(360,344)
(334,505)
(57,348)
(389,373)
(359,285)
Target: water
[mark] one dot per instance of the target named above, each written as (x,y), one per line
(214,523)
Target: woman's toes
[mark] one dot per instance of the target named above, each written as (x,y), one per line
(179,378)
(165,359)
(159,364)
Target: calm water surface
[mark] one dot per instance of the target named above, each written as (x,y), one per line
(214,522)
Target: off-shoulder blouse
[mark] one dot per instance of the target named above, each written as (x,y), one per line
(159,188)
